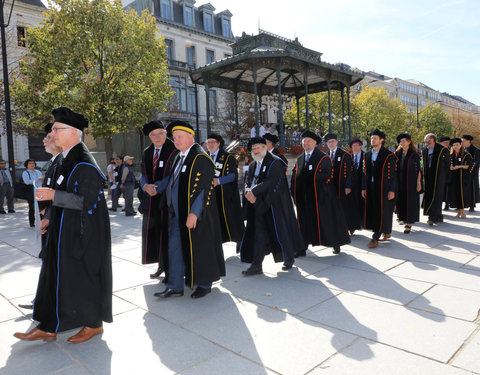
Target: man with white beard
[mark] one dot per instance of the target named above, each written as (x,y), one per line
(268,209)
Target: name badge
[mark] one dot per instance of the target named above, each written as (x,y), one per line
(48,181)
(264,168)
(310,167)
(339,158)
(160,164)
(217,173)
(219,165)
(184,168)
(459,159)
(59,180)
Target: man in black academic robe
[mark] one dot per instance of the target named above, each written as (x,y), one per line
(271,224)
(272,140)
(445,142)
(195,253)
(226,189)
(319,213)
(75,284)
(379,188)
(157,161)
(357,201)
(475,152)
(436,169)
(342,178)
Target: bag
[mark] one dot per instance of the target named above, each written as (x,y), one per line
(23,191)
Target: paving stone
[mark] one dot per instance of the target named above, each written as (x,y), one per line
(468,357)
(7,310)
(431,335)
(365,357)
(127,274)
(474,264)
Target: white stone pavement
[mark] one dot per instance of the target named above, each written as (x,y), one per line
(410,306)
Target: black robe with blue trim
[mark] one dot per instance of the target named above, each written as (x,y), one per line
(273,205)
(75,283)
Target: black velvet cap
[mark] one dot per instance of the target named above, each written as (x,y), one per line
(68,117)
(271,137)
(310,134)
(152,125)
(443,139)
(455,140)
(330,136)
(217,137)
(468,137)
(379,133)
(403,135)
(48,127)
(255,141)
(355,140)
(180,125)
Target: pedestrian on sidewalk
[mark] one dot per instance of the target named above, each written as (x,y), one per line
(127,184)
(460,192)
(32,177)
(75,284)
(6,188)
(117,192)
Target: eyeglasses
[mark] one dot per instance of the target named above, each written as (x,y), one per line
(57,129)
(210,142)
(154,135)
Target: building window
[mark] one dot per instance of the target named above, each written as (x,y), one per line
(208,22)
(191,56)
(21,36)
(226,28)
(191,100)
(210,56)
(169,45)
(166,9)
(179,100)
(188,15)
(212,105)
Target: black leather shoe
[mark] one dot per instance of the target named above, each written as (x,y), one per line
(301,253)
(157,274)
(168,293)
(3,213)
(25,306)
(11,211)
(336,250)
(472,209)
(253,270)
(131,213)
(200,292)
(287,266)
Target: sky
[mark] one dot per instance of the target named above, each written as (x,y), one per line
(436,42)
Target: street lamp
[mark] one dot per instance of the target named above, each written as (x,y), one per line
(6,87)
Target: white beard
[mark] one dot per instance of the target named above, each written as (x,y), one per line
(260,157)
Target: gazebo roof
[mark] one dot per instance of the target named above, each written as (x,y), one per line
(266,54)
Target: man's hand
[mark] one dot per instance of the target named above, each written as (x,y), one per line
(250,197)
(191,221)
(391,195)
(364,194)
(348,191)
(44,194)
(215,182)
(150,189)
(44,225)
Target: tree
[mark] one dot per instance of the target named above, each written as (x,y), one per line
(374,108)
(97,59)
(465,123)
(433,120)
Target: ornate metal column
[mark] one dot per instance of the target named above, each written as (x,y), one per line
(307,116)
(329,107)
(349,117)
(281,132)
(207,98)
(255,100)
(343,114)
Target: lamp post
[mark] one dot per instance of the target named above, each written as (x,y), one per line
(6,88)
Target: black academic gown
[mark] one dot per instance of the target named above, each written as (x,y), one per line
(202,246)
(378,208)
(408,199)
(276,152)
(357,202)
(228,198)
(155,215)
(434,180)
(475,153)
(274,207)
(460,194)
(75,283)
(319,213)
(342,179)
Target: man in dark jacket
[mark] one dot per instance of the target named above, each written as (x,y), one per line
(272,140)
(271,224)
(475,152)
(379,188)
(357,202)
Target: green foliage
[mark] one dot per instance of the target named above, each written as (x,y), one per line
(97,59)
(433,120)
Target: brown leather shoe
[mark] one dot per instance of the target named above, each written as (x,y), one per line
(385,237)
(36,334)
(85,334)
(373,243)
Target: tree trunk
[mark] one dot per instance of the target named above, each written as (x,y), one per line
(108,148)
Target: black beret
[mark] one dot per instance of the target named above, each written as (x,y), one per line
(455,140)
(152,125)
(403,135)
(310,134)
(217,137)
(379,133)
(329,136)
(468,137)
(355,140)
(48,127)
(255,141)
(271,137)
(66,116)
(443,139)
(180,125)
